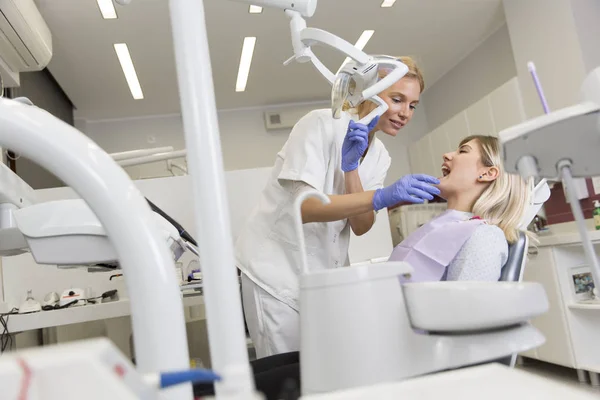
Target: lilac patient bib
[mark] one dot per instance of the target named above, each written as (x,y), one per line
(432,247)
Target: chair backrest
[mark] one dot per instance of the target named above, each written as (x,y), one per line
(513,272)
(514,267)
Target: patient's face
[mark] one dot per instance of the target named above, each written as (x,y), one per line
(461,170)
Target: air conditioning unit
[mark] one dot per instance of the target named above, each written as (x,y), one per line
(286,118)
(25,40)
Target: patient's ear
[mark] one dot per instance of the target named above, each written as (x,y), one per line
(490,175)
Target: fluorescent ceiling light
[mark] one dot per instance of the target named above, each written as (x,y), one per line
(255,10)
(387,3)
(362,42)
(245,62)
(107,9)
(129,70)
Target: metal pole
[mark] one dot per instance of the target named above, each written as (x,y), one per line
(222,297)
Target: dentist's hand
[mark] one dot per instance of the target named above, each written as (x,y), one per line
(409,188)
(355,144)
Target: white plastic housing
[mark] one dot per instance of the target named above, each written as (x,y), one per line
(67,232)
(498,304)
(356,331)
(93,369)
(305,7)
(571,133)
(14,189)
(12,241)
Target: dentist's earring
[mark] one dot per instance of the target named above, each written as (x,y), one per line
(480,176)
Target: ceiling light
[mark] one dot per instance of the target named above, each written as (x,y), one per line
(255,10)
(107,9)
(361,42)
(245,62)
(129,70)
(387,3)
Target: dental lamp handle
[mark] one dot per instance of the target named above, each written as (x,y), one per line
(399,69)
(299,225)
(382,107)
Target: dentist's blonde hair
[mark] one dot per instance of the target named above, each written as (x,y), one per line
(504,202)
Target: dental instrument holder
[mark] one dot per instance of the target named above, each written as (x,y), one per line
(376,342)
(540,148)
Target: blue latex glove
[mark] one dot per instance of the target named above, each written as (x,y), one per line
(409,188)
(356,143)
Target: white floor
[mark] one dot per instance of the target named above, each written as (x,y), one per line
(564,375)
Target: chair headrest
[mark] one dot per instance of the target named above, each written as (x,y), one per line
(539,195)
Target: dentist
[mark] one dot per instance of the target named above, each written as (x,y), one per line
(344,160)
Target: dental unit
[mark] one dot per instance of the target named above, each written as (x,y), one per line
(412,330)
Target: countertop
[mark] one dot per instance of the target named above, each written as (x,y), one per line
(74,315)
(566,234)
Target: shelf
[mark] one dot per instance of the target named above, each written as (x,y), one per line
(74,315)
(585,306)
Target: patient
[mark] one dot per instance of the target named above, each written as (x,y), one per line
(470,240)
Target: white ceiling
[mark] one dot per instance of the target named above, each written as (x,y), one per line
(439,33)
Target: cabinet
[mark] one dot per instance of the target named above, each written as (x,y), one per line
(557,349)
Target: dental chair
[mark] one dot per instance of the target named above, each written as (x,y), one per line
(517,257)
(360,327)
(513,272)
(457,341)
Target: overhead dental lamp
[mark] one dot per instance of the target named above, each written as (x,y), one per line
(356,80)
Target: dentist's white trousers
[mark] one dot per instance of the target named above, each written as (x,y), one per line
(273,325)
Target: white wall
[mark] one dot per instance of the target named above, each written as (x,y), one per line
(398,146)
(244,139)
(587,15)
(548,37)
(484,69)
(174,196)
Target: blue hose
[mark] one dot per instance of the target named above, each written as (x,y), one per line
(195,375)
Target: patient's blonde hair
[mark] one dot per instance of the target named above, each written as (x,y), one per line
(413,72)
(505,200)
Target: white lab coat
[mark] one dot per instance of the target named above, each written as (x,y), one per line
(267,249)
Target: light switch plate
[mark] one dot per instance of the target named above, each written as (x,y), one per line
(596,182)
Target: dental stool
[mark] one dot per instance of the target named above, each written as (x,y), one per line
(360,326)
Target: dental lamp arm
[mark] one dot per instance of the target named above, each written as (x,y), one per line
(327,74)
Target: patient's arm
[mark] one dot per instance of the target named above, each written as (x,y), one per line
(482,257)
